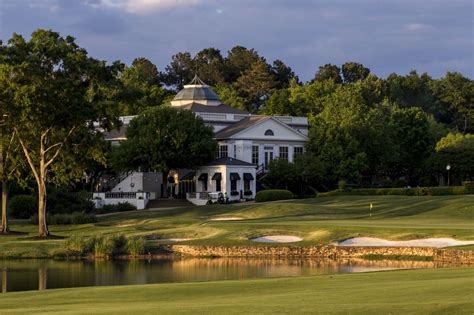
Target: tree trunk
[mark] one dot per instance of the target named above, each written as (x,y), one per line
(4,228)
(42,227)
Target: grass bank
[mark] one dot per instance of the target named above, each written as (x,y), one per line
(317,221)
(440,291)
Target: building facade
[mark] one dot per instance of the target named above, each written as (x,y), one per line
(247,144)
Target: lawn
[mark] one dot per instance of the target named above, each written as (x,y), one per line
(317,220)
(440,291)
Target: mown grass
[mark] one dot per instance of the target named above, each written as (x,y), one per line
(436,291)
(317,221)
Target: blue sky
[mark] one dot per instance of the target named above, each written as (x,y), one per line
(387,36)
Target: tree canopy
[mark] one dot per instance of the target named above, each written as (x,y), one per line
(55,92)
(165,138)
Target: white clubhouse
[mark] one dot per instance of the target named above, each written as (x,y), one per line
(247,144)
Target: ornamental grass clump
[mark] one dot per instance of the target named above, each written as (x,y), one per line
(104,247)
(109,246)
(79,246)
(136,246)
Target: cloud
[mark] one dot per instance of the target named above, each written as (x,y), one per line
(417,27)
(143,7)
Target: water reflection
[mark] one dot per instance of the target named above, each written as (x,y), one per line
(20,275)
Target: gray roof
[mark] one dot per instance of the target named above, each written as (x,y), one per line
(239,126)
(228,161)
(196,92)
(222,108)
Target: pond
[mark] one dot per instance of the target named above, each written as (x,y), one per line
(21,275)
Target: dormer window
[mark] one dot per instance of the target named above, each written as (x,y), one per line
(269,132)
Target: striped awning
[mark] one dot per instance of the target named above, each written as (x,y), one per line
(234,176)
(189,176)
(248,176)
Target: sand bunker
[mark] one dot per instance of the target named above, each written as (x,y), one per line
(175,239)
(226,219)
(425,242)
(277,239)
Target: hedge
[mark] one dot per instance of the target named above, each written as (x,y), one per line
(22,206)
(418,191)
(273,194)
(120,207)
(66,218)
(469,187)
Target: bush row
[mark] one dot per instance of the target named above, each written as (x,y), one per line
(66,218)
(120,207)
(58,202)
(418,191)
(102,246)
(273,194)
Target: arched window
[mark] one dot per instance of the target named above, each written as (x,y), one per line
(269,132)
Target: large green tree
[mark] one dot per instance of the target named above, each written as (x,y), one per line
(410,131)
(209,66)
(163,139)
(283,74)
(58,97)
(141,87)
(230,95)
(180,71)
(353,72)
(328,72)
(257,83)
(239,59)
(457,150)
(456,93)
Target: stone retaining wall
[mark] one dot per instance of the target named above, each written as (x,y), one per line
(334,252)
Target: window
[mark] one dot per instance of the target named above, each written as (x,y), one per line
(233,185)
(223,151)
(255,154)
(246,185)
(247,178)
(297,151)
(235,151)
(269,132)
(284,153)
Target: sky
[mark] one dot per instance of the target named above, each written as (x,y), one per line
(430,36)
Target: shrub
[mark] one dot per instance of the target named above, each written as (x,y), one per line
(136,246)
(273,194)
(234,193)
(78,245)
(120,207)
(342,184)
(22,206)
(469,188)
(61,200)
(103,248)
(125,206)
(66,218)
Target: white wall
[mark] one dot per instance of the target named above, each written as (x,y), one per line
(125,185)
(280,131)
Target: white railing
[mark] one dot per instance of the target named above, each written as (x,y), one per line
(138,199)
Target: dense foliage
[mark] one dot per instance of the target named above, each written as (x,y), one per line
(273,194)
